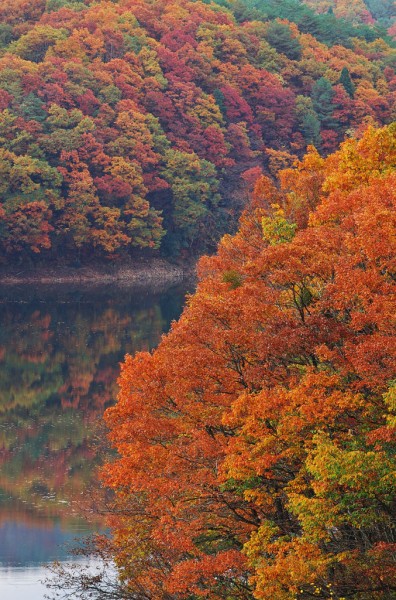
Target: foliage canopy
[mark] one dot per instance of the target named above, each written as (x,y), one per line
(256,444)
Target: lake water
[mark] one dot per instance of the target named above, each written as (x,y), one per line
(59,359)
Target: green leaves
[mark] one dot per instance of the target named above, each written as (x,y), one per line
(276,228)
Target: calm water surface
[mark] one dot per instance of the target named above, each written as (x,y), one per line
(59,357)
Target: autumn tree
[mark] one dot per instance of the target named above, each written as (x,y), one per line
(29,190)
(194,189)
(256,444)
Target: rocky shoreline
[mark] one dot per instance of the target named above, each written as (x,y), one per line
(140,272)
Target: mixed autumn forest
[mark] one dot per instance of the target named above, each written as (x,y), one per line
(255,446)
(127,126)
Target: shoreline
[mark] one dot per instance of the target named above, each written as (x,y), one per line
(137,272)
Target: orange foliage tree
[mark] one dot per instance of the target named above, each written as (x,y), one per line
(256,444)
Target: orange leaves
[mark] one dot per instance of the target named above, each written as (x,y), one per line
(28,227)
(196,576)
(244,437)
(288,569)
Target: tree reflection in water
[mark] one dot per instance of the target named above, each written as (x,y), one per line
(59,356)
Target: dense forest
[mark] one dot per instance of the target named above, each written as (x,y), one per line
(382,12)
(138,125)
(256,444)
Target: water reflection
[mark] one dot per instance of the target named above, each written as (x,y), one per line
(22,584)
(59,356)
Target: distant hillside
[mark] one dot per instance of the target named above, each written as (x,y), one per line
(124,125)
(382,12)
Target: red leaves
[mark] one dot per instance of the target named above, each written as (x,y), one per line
(28,227)
(133,80)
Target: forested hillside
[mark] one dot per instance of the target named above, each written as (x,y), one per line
(382,12)
(125,125)
(256,444)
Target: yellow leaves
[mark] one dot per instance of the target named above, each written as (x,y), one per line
(149,61)
(81,42)
(206,50)
(352,481)
(110,236)
(260,498)
(130,172)
(360,161)
(317,516)
(132,121)
(276,228)
(390,401)
(26,174)
(262,537)
(61,117)
(34,44)
(206,110)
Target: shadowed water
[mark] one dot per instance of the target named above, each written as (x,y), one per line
(59,359)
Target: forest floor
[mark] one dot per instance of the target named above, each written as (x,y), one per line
(139,272)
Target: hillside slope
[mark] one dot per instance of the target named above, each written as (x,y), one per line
(382,12)
(123,125)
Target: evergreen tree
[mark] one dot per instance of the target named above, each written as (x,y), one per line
(310,128)
(381,9)
(346,81)
(280,37)
(32,108)
(6,34)
(308,121)
(322,96)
